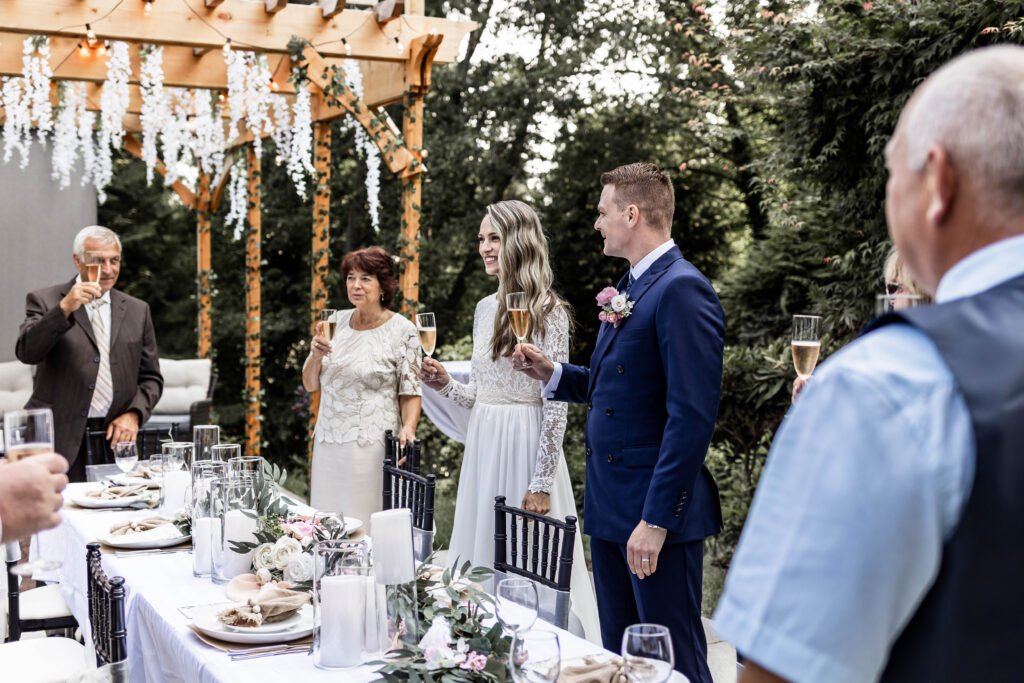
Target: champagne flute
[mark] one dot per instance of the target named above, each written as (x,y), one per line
(28,433)
(536,657)
(516,604)
(426,327)
(329,323)
(519,316)
(126,456)
(806,344)
(647,653)
(93,265)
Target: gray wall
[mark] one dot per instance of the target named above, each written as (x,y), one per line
(38,222)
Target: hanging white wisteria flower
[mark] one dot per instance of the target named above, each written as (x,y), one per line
(18,121)
(113,107)
(257,100)
(65,134)
(209,134)
(176,137)
(86,138)
(367,146)
(235,61)
(300,151)
(37,73)
(238,193)
(155,113)
(282,135)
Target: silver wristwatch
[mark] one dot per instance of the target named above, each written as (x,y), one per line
(651,526)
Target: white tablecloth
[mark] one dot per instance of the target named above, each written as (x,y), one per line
(161,646)
(450,418)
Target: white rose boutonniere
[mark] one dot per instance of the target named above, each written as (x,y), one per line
(300,568)
(618,303)
(615,306)
(284,550)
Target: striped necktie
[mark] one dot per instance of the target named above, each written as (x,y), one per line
(631,281)
(103,394)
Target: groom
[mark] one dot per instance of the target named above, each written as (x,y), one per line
(652,395)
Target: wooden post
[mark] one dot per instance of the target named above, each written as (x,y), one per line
(203,265)
(412,186)
(321,242)
(252,308)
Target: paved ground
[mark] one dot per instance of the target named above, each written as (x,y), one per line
(721,656)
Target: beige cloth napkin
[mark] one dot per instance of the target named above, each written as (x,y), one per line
(273,603)
(140,472)
(595,670)
(115,492)
(138,525)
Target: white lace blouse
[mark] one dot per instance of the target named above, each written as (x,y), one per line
(496,382)
(362,378)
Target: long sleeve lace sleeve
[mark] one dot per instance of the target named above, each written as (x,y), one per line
(556,347)
(461,394)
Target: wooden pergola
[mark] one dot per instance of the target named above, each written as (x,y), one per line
(393,41)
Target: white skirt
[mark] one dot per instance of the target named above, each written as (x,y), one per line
(347,478)
(501,449)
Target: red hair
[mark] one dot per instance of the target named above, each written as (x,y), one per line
(373,261)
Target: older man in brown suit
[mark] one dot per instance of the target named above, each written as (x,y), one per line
(95,348)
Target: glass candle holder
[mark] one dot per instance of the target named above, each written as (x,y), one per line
(225,451)
(177,459)
(204,437)
(346,631)
(202,513)
(235,522)
(395,573)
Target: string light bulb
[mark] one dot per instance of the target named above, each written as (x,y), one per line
(398,44)
(83,51)
(147,7)
(227,46)
(348,48)
(90,36)
(102,51)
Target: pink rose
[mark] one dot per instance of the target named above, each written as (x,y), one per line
(301,530)
(474,662)
(612,318)
(605,295)
(602,316)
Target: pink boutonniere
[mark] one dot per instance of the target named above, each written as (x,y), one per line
(615,306)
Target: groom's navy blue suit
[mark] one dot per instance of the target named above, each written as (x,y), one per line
(652,397)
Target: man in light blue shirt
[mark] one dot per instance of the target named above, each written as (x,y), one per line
(869,475)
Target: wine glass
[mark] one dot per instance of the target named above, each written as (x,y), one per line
(519,316)
(806,344)
(28,433)
(329,323)
(426,327)
(516,603)
(93,265)
(536,657)
(647,653)
(126,456)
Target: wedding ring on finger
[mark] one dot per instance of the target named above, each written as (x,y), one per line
(645,559)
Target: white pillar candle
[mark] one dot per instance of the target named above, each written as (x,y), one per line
(342,611)
(176,490)
(393,560)
(202,541)
(239,527)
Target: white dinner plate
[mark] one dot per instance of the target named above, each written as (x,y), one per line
(129,543)
(206,622)
(100,503)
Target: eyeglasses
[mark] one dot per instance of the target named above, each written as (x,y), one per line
(892,288)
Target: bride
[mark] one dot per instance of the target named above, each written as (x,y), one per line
(514,438)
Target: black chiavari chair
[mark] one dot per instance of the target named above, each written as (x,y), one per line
(411,452)
(98,451)
(404,489)
(106,598)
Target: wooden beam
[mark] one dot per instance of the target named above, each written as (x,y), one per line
(274,6)
(253,432)
(188,197)
(203,266)
(330,8)
(191,23)
(321,246)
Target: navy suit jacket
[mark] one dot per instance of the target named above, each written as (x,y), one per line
(652,397)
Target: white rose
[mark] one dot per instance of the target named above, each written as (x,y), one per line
(618,302)
(261,557)
(284,550)
(300,568)
(263,575)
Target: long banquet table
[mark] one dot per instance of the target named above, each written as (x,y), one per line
(161,646)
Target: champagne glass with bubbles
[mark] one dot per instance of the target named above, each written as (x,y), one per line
(28,433)
(806,344)
(426,328)
(519,316)
(647,653)
(329,323)
(93,265)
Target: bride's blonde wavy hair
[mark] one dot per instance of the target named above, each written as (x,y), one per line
(522,267)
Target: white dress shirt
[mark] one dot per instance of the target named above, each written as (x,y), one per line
(637,270)
(105,317)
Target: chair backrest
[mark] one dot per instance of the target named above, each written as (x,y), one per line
(395,451)
(403,489)
(106,610)
(149,439)
(12,553)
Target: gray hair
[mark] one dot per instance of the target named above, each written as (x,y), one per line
(98,232)
(973,108)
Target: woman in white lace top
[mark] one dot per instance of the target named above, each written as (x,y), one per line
(514,437)
(368,384)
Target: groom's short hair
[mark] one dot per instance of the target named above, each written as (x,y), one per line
(646,186)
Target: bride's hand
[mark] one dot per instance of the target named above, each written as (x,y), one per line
(433,374)
(537,502)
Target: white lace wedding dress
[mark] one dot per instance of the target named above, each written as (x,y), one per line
(514,443)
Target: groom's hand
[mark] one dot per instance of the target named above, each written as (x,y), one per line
(643,549)
(532,362)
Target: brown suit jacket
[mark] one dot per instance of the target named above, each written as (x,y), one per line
(65,351)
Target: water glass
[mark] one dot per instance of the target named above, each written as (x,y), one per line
(203,438)
(516,602)
(225,451)
(647,653)
(346,625)
(536,657)
(126,455)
